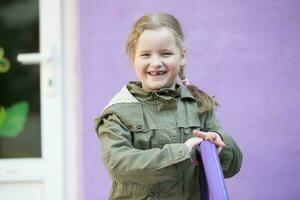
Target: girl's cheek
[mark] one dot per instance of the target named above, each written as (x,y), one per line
(141,62)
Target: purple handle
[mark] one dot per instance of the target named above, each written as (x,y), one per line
(213,172)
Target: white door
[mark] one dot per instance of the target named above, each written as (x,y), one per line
(31,105)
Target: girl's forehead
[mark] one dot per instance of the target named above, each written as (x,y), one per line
(162,37)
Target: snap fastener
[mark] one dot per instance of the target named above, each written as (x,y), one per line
(139,126)
(129,126)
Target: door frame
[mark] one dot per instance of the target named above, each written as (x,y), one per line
(72,100)
(59,168)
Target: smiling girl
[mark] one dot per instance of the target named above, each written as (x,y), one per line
(149,129)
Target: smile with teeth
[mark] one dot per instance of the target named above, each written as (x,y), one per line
(156,73)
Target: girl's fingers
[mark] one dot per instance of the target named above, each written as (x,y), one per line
(192,142)
(216,139)
(200,134)
(210,136)
(196,141)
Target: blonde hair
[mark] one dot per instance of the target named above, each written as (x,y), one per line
(165,20)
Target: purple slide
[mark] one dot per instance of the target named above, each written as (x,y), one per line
(212,182)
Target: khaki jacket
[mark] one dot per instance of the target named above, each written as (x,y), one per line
(142,137)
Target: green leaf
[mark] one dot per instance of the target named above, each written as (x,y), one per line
(14,120)
(1,52)
(4,65)
(2,115)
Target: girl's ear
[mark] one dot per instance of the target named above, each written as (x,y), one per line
(183,57)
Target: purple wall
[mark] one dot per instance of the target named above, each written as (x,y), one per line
(247,53)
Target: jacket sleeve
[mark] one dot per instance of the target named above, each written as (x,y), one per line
(128,164)
(231,155)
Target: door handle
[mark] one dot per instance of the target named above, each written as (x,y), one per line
(32,58)
(47,69)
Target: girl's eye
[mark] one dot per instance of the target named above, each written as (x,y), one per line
(167,54)
(145,55)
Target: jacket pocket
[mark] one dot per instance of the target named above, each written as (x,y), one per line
(188,120)
(143,137)
(129,191)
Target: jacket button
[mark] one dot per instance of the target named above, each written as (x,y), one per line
(139,126)
(129,126)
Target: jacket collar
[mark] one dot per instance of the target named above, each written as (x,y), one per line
(186,94)
(164,93)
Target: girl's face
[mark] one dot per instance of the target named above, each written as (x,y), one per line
(157,59)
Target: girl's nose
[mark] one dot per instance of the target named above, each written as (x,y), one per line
(156,62)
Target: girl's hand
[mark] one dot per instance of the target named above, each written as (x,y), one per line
(192,142)
(211,136)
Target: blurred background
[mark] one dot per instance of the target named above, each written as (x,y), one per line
(247,54)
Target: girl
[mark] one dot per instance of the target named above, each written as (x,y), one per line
(149,130)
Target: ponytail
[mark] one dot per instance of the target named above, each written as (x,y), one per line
(205,102)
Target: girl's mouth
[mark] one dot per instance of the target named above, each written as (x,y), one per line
(156,73)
